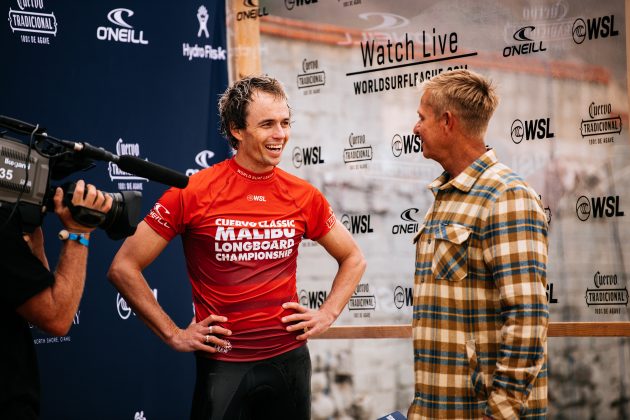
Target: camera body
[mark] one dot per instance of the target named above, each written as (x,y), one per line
(25,174)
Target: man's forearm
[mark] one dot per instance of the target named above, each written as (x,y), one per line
(344,284)
(138,294)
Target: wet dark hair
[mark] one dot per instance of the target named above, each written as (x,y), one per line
(233,103)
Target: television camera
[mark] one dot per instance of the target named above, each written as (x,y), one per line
(26,171)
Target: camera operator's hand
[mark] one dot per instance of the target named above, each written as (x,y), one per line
(85,196)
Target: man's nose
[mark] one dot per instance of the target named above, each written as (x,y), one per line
(279,130)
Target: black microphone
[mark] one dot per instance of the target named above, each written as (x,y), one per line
(152,171)
(90,151)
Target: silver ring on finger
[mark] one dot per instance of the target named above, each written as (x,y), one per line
(210,329)
(207,338)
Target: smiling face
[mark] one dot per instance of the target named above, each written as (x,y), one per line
(266,133)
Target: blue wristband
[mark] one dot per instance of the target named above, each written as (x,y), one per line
(79,237)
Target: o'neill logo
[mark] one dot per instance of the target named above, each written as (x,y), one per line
(204,51)
(594,28)
(203,160)
(252,12)
(598,206)
(403,296)
(122,32)
(158,213)
(531,130)
(33,22)
(411,225)
(528,45)
(406,144)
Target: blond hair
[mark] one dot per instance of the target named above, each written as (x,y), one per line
(468,95)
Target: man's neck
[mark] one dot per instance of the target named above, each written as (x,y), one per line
(463,156)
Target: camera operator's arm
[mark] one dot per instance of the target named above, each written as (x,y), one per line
(53,309)
(125,273)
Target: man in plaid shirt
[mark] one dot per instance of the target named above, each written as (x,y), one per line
(480,310)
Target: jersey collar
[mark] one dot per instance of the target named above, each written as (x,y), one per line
(252,176)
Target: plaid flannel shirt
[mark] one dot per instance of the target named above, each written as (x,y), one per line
(480,308)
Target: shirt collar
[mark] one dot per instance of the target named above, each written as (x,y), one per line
(467,178)
(252,176)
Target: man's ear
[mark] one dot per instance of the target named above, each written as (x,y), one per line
(236,132)
(449,120)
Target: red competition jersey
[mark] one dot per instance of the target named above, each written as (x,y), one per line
(241,232)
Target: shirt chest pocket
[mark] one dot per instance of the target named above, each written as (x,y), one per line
(450,255)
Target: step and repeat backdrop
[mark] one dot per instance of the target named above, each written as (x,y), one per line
(353,69)
(141,78)
(137,78)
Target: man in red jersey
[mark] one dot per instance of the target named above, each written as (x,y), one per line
(241,223)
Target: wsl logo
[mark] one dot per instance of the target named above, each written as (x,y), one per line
(407,144)
(403,296)
(290,4)
(252,12)
(122,32)
(312,299)
(598,207)
(357,223)
(124,310)
(527,45)
(411,225)
(594,28)
(307,156)
(531,130)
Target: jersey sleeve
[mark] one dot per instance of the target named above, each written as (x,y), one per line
(166,217)
(320,217)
